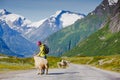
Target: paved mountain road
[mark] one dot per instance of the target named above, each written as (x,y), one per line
(74,72)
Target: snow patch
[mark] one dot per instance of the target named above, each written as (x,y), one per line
(14,17)
(68,19)
(2,11)
(37,24)
(112,2)
(57,13)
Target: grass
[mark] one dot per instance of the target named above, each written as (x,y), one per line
(79,60)
(53,61)
(107,62)
(101,43)
(14,66)
(111,63)
(13,63)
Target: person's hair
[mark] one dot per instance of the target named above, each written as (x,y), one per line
(39,43)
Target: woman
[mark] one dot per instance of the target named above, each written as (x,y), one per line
(42,50)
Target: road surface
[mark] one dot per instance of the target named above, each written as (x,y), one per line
(74,72)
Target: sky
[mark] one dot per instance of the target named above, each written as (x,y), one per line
(36,10)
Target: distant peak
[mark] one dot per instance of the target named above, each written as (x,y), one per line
(57,13)
(60,12)
(4,12)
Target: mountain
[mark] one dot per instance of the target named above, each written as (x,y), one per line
(67,38)
(13,41)
(115,20)
(14,21)
(105,41)
(56,22)
(40,30)
(4,48)
(17,29)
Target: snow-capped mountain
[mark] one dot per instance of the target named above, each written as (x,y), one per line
(46,27)
(66,17)
(4,12)
(42,29)
(14,21)
(15,42)
(17,29)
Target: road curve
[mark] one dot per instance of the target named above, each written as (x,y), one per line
(73,72)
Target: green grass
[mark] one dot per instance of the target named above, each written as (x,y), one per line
(111,63)
(14,66)
(13,63)
(79,60)
(53,61)
(102,42)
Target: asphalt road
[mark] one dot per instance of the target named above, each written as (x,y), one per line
(74,72)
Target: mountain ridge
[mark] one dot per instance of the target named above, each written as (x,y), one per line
(15,27)
(27,28)
(103,42)
(69,37)
(53,24)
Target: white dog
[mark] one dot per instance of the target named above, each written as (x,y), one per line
(41,64)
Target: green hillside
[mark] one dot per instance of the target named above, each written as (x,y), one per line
(102,42)
(68,37)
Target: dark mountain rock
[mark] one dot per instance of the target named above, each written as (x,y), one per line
(115,19)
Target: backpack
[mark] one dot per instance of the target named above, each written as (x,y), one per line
(46,49)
